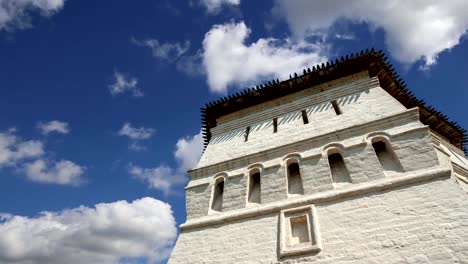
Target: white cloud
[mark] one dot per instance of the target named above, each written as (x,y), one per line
(164,51)
(28,157)
(15,14)
(105,234)
(414,30)
(63,172)
(214,6)
(53,126)
(175,53)
(191,64)
(136,146)
(123,83)
(164,178)
(136,133)
(161,178)
(229,60)
(14,150)
(188,151)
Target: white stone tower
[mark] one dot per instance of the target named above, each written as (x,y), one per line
(339,165)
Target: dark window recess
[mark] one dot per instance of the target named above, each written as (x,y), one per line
(275,125)
(294,179)
(387,157)
(218,197)
(305,119)
(246,134)
(254,188)
(336,107)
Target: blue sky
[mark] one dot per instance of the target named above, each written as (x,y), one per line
(101,99)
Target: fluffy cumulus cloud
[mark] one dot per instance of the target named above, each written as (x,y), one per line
(63,172)
(228,59)
(164,51)
(414,30)
(188,151)
(124,83)
(214,6)
(16,14)
(109,233)
(29,157)
(53,126)
(14,150)
(164,178)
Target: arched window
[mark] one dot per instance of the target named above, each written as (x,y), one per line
(217,203)
(339,172)
(254,194)
(294,177)
(386,156)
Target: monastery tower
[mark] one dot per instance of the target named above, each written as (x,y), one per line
(341,164)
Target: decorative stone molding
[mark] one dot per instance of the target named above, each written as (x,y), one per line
(319,152)
(332,148)
(295,155)
(332,195)
(298,231)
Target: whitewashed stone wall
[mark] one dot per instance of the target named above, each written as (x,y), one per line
(412,147)
(416,215)
(361,100)
(420,223)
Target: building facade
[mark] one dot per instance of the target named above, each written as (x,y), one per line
(339,165)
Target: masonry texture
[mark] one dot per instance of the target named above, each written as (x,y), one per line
(384,187)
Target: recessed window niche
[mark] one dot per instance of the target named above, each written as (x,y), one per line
(339,172)
(294,177)
(298,231)
(387,158)
(254,193)
(218,192)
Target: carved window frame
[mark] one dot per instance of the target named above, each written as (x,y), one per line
(313,245)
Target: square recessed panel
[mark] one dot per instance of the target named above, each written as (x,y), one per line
(298,231)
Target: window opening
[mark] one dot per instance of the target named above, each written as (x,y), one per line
(305,119)
(294,179)
(218,196)
(275,125)
(387,158)
(246,134)
(338,169)
(254,188)
(336,107)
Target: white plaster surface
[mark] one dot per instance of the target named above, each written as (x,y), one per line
(421,223)
(416,213)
